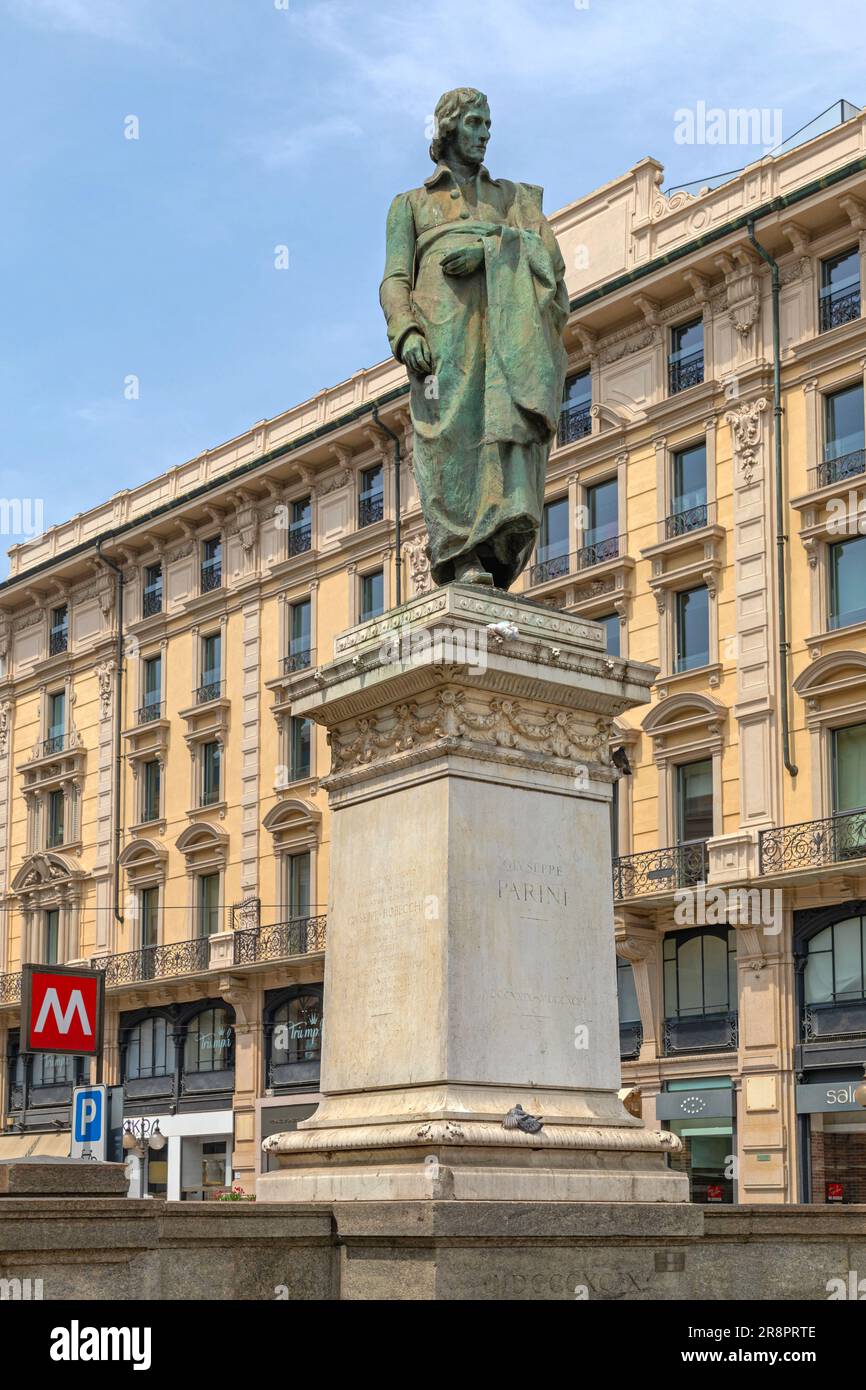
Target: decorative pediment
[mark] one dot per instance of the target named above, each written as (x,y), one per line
(833,684)
(293,822)
(204,845)
(140,853)
(45,870)
(694,721)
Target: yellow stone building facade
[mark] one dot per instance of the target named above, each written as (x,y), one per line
(160,807)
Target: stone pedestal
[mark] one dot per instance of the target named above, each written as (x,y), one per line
(470,962)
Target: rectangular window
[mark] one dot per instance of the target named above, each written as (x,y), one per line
(298,884)
(56,724)
(692,629)
(839,295)
(601,535)
(610,623)
(844,435)
(52,936)
(695,801)
(150,791)
(300,526)
(211,667)
(300,636)
(54,829)
(372,595)
(58,638)
(151,599)
(371,496)
(689,490)
(151,682)
(847,569)
(148,906)
(552,551)
(211,564)
(686,359)
(208,904)
(575,420)
(849,768)
(211,758)
(299,749)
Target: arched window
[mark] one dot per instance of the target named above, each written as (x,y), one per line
(297,1035)
(53,1069)
(700,970)
(149,1050)
(835,963)
(209,1042)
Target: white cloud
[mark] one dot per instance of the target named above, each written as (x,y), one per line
(279,148)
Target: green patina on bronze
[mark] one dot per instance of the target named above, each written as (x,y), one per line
(475,301)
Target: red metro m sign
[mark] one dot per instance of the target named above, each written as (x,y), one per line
(61,1010)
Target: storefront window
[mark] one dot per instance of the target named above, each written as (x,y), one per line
(835,963)
(700,972)
(209,1042)
(149,1050)
(837,1157)
(298,1030)
(708,1139)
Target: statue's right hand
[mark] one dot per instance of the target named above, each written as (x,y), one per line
(416,353)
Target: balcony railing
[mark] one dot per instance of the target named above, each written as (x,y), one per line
(299,660)
(300,539)
(151,603)
(630,1041)
(54,743)
(812,844)
(840,307)
(370,509)
(208,690)
(689,519)
(211,575)
(300,936)
(149,712)
(155,962)
(58,642)
(552,568)
(10,988)
(701,1033)
(599,551)
(685,372)
(838,469)
(575,422)
(834,1021)
(660,870)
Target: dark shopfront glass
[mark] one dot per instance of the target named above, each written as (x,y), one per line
(708,1138)
(837,1157)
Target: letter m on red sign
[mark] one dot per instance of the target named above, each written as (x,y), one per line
(62,1010)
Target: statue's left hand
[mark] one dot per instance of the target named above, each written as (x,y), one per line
(463,262)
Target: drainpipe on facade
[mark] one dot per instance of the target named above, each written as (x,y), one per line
(118,724)
(781,535)
(398,539)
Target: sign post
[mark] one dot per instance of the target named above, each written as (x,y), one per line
(62,1010)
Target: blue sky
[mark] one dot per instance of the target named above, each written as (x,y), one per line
(293,122)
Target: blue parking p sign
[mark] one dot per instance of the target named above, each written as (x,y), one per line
(88,1122)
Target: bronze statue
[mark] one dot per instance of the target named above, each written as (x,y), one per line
(475,301)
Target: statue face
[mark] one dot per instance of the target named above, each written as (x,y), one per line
(469,140)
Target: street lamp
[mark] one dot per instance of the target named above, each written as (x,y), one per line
(139,1135)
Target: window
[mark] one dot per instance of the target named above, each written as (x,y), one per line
(700,972)
(211,668)
(694,801)
(610,623)
(849,768)
(152,690)
(844,435)
(53,1069)
(552,549)
(211,564)
(150,790)
(601,536)
(58,637)
(148,907)
(297,1035)
(52,936)
(299,748)
(209,1042)
(211,760)
(300,636)
(686,360)
(689,491)
(626,992)
(54,829)
(56,722)
(839,296)
(372,595)
(208,904)
(692,629)
(835,963)
(371,497)
(149,1050)
(847,571)
(575,420)
(300,526)
(297,872)
(151,599)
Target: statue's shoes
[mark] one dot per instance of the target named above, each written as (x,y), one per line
(475,575)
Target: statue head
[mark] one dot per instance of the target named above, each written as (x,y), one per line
(462,119)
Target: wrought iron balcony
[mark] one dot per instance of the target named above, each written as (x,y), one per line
(690,519)
(10,988)
(685,372)
(840,307)
(155,962)
(300,660)
(575,422)
(58,641)
(211,575)
(55,743)
(834,1021)
(599,551)
(208,690)
(630,1041)
(151,602)
(553,568)
(300,539)
(701,1033)
(149,712)
(299,936)
(660,870)
(370,509)
(812,844)
(838,469)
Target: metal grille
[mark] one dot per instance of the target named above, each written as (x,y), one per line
(688,371)
(812,843)
(839,308)
(155,962)
(300,936)
(597,553)
(575,422)
(680,523)
(660,870)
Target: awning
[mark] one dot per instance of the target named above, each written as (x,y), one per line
(34,1145)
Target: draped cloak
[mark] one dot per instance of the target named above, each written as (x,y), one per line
(484,419)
